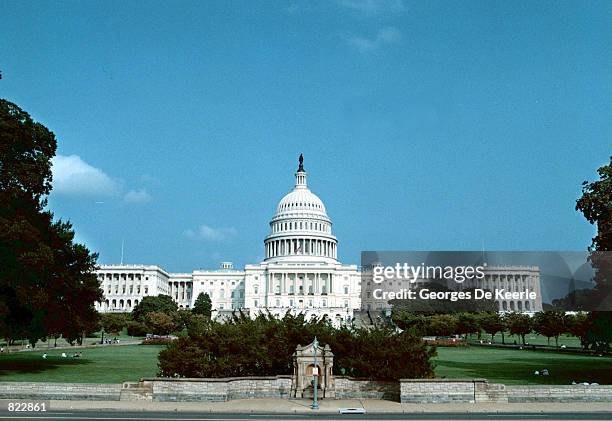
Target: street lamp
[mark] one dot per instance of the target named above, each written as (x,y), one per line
(315,374)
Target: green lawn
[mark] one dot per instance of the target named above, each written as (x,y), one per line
(115,364)
(532,338)
(108,364)
(512,366)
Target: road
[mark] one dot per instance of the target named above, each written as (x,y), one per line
(171,416)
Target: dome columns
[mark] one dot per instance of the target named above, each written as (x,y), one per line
(301,246)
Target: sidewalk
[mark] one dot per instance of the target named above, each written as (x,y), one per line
(285,406)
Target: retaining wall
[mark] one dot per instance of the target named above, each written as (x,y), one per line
(60,391)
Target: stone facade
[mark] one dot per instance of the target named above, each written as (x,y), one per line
(560,393)
(408,391)
(348,388)
(225,389)
(60,391)
(438,390)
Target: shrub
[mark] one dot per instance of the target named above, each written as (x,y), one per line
(136,329)
(264,346)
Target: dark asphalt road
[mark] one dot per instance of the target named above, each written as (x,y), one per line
(171,416)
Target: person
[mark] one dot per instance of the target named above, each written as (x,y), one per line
(1,349)
(45,356)
(64,355)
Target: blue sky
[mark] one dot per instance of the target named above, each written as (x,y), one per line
(424,125)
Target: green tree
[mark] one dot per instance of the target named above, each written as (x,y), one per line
(492,323)
(578,325)
(467,323)
(160,323)
(113,323)
(264,346)
(47,282)
(441,325)
(160,304)
(519,324)
(202,305)
(550,324)
(596,206)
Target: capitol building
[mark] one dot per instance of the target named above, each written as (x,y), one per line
(299,274)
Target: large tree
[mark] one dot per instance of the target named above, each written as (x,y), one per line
(154,304)
(47,282)
(596,206)
(519,324)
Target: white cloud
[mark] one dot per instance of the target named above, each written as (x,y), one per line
(385,36)
(374,6)
(206,233)
(73,176)
(137,196)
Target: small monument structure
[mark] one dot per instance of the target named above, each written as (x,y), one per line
(302,384)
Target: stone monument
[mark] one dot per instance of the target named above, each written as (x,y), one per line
(303,367)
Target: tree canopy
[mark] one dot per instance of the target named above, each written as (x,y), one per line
(265,345)
(202,305)
(47,281)
(153,304)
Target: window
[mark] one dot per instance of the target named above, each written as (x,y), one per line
(346,289)
(324,303)
(255,303)
(256,289)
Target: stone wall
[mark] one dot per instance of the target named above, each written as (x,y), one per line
(193,390)
(60,391)
(405,391)
(437,390)
(349,388)
(554,393)
(478,390)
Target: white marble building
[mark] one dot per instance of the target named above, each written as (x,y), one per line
(300,272)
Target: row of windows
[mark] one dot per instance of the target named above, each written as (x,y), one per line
(291,205)
(277,303)
(122,276)
(301,225)
(125,290)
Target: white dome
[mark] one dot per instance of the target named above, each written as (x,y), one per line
(301,199)
(300,230)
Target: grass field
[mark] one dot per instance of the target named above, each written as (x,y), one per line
(512,366)
(567,340)
(106,364)
(115,364)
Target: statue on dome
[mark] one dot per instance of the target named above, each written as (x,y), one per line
(301,167)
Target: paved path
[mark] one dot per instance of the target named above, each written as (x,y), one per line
(299,406)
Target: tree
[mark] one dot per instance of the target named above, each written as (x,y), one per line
(518,324)
(596,206)
(550,324)
(492,323)
(202,305)
(113,323)
(160,304)
(135,328)
(160,323)
(264,346)
(47,282)
(442,325)
(467,323)
(578,325)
